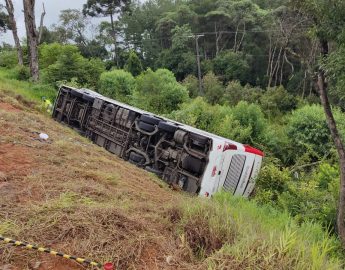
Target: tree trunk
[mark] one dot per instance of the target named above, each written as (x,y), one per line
(32,36)
(13,24)
(41,24)
(322,85)
(114,38)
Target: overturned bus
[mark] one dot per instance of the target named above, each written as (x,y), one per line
(185,157)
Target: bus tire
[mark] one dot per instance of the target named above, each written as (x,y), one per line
(198,140)
(136,158)
(149,119)
(146,127)
(164,126)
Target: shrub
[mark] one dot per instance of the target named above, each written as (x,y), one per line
(213,88)
(72,65)
(133,64)
(200,114)
(231,66)
(192,85)
(250,117)
(309,134)
(117,84)
(235,92)
(50,53)
(276,101)
(271,182)
(22,73)
(90,71)
(8,59)
(159,92)
(313,198)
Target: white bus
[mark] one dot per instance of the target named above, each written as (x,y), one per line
(185,157)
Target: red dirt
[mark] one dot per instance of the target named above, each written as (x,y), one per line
(8,107)
(14,160)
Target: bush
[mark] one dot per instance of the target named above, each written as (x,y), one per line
(133,64)
(50,53)
(8,59)
(244,123)
(276,101)
(22,73)
(200,114)
(231,66)
(159,92)
(192,85)
(235,92)
(72,65)
(213,88)
(271,182)
(314,198)
(250,117)
(309,134)
(117,84)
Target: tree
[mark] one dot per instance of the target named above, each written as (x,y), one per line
(117,84)
(105,8)
(232,65)
(213,88)
(13,27)
(159,92)
(3,20)
(328,23)
(133,64)
(72,26)
(32,37)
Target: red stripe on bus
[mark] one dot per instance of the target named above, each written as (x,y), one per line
(253,150)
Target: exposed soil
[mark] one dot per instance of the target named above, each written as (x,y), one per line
(72,196)
(8,107)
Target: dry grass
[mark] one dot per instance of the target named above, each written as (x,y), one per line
(73,196)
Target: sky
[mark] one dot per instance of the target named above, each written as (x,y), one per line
(53,8)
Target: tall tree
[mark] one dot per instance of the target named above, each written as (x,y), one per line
(107,8)
(13,27)
(72,26)
(328,18)
(32,37)
(3,20)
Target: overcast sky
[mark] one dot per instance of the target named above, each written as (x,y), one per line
(53,8)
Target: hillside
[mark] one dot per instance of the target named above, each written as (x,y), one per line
(70,195)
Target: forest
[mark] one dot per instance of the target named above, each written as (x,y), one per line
(249,70)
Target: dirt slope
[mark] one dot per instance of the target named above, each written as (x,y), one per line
(70,195)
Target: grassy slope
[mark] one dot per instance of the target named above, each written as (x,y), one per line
(76,197)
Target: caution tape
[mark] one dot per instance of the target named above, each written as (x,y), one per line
(49,251)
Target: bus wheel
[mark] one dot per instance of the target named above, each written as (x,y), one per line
(136,158)
(146,127)
(149,119)
(164,126)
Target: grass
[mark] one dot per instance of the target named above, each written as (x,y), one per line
(230,232)
(73,196)
(30,91)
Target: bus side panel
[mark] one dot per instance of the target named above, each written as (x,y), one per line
(255,173)
(211,177)
(246,171)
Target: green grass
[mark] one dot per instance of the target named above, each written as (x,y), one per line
(30,91)
(230,232)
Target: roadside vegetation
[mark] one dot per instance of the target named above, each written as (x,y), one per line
(263,66)
(106,209)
